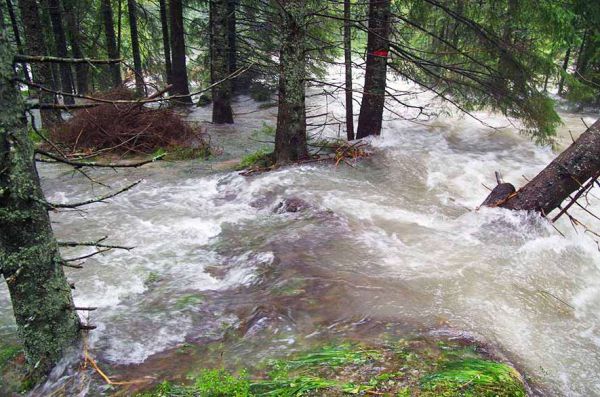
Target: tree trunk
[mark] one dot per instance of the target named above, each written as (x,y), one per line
(29,257)
(73,30)
(119,27)
(348,69)
(565,66)
(60,42)
(178,67)
(36,45)
(135,47)
(232,41)
(111,42)
(371,108)
(50,47)
(221,92)
(17,35)
(164,23)
(290,136)
(563,176)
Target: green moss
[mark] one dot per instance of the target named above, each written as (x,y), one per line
(7,354)
(473,377)
(188,300)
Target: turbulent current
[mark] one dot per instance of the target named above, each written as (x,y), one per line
(393,245)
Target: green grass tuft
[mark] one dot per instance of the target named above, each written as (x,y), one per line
(472,378)
(260,158)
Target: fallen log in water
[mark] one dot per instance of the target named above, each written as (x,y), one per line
(568,173)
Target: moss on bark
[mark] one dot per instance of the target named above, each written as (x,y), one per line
(29,257)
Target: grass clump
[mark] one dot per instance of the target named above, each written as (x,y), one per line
(260,159)
(473,377)
(408,368)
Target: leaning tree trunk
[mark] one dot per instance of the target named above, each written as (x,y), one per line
(348,70)
(35,45)
(60,42)
(164,24)
(111,42)
(221,91)
(135,48)
(29,257)
(371,108)
(178,68)
(15,28)
(290,136)
(563,176)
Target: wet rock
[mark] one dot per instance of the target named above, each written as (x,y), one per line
(291,204)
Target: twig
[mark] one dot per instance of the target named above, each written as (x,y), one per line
(41,59)
(78,164)
(94,200)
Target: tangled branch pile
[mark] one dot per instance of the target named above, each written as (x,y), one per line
(127,128)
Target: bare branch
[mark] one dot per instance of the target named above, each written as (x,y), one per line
(49,59)
(78,164)
(94,200)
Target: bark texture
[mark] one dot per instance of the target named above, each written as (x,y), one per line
(111,42)
(290,136)
(563,176)
(373,100)
(36,45)
(179,77)
(348,71)
(17,35)
(135,48)
(220,52)
(73,33)
(60,43)
(164,24)
(29,258)
(232,41)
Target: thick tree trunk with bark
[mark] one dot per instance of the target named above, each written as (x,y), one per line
(36,45)
(179,77)
(60,42)
(290,136)
(220,52)
(164,24)
(29,257)
(563,176)
(135,48)
(73,33)
(373,100)
(348,71)
(232,41)
(111,42)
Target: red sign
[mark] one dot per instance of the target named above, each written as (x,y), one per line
(381,53)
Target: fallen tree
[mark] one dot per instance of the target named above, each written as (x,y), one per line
(574,170)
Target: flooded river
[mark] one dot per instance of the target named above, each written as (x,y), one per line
(391,246)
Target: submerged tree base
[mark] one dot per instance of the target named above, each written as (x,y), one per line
(403,368)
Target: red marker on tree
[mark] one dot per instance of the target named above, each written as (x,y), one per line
(381,53)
